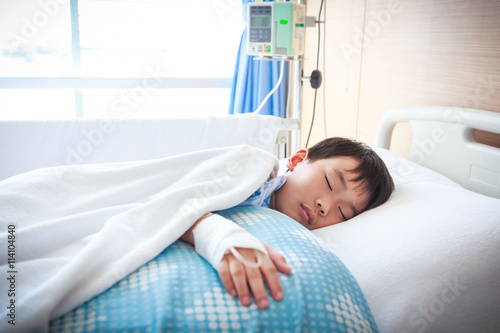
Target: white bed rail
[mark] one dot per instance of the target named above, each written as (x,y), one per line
(443,140)
(30,144)
(287,140)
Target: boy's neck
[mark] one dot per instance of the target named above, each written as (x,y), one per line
(272,201)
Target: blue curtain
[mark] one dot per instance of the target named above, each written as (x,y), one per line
(254,79)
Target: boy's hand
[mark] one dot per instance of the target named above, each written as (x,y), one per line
(239,279)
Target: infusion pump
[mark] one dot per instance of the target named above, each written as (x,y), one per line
(276,29)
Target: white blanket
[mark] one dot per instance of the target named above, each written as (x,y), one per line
(77,230)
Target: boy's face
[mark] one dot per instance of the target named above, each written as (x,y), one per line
(320,193)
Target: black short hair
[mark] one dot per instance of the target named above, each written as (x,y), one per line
(372,171)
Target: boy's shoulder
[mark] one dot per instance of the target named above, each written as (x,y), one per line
(262,195)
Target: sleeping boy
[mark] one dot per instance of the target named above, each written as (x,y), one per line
(329,183)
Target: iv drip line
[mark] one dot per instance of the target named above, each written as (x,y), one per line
(274,89)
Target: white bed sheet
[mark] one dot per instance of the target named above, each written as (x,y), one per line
(428,259)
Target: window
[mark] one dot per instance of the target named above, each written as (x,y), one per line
(104,58)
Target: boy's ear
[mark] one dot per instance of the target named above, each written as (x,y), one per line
(299,156)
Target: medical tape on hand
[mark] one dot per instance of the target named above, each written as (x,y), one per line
(215,235)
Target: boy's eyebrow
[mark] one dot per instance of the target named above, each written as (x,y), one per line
(354,210)
(342,178)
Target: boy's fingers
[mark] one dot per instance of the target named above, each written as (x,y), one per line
(273,281)
(242,281)
(279,260)
(239,277)
(248,279)
(225,277)
(256,283)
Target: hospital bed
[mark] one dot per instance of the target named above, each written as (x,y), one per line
(425,261)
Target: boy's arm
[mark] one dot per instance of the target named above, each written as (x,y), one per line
(239,279)
(188,236)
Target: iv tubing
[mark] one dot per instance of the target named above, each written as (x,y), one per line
(274,89)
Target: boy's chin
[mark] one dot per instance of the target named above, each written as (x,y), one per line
(302,222)
(297,218)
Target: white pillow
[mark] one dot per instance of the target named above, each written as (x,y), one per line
(428,260)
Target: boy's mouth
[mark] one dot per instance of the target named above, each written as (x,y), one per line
(308,214)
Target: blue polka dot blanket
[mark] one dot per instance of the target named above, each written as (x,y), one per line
(178,291)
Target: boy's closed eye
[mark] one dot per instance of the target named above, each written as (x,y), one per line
(331,189)
(343,216)
(328,183)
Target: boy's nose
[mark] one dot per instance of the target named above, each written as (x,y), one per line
(322,207)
